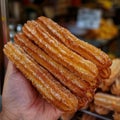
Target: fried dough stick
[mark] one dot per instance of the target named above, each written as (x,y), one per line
(85,69)
(45,83)
(84,49)
(80,87)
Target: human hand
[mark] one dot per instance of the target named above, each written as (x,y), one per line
(21,101)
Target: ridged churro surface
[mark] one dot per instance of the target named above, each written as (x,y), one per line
(84,49)
(80,87)
(64,69)
(75,63)
(115,89)
(115,70)
(41,79)
(107,101)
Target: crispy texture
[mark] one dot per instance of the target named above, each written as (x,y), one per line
(41,79)
(83,102)
(115,72)
(92,53)
(84,49)
(68,79)
(115,89)
(85,69)
(107,101)
(105,73)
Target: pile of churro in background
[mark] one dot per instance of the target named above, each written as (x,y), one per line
(106,103)
(107,99)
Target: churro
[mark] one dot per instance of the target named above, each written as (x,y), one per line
(79,87)
(107,101)
(86,50)
(75,63)
(41,79)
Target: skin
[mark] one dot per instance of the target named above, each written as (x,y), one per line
(20,101)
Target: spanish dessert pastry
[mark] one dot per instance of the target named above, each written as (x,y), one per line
(115,89)
(58,64)
(82,48)
(115,73)
(74,83)
(45,83)
(107,101)
(59,52)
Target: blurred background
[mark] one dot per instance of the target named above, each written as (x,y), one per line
(94,21)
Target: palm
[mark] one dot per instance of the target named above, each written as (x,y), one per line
(19,96)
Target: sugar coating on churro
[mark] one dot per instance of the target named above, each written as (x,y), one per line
(58,64)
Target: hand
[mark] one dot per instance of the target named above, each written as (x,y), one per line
(21,101)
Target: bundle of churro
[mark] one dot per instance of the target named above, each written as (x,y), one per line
(107,99)
(65,70)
